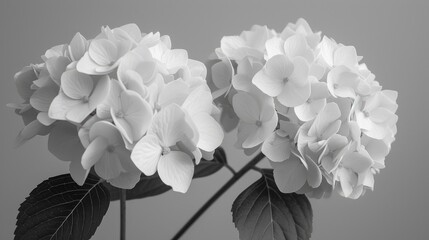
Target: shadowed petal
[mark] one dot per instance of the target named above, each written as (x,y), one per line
(246,107)
(176,170)
(276,148)
(289,175)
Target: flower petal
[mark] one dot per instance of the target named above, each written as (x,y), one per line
(109,166)
(296,45)
(279,67)
(327,48)
(198,101)
(222,73)
(170,125)
(100,93)
(132,30)
(173,92)
(268,84)
(77,172)
(176,169)
(210,132)
(357,161)
(317,71)
(146,154)
(324,119)
(44,118)
(134,65)
(76,85)
(29,131)
(308,111)
(56,67)
(276,148)
(319,90)
(274,46)
(77,47)
(23,81)
(299,76)
(261,133)
(342,82)
(289,175)
(377,149)
(61,105)
(94,152)
(43,97)
(367,179)
(197,68)
(103,52)
(246,107)
(112,100)
(345,55)
(231,45)
(294,95)
(380,115)
(108,131)
(175,59)
(245,131)
(347,180)
(64,142)
(88,66)
(79,112)
(126,180)
(314,175)
(137,113)
(242,82)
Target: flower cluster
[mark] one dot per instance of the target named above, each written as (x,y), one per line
(316,112)
(124,103)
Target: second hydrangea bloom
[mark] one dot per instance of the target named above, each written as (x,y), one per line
(318,113)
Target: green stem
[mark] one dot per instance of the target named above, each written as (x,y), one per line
(219,193)
(123,201)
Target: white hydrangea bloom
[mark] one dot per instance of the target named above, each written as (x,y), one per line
(139,106)
(320,116)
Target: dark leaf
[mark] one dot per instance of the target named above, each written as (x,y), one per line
(263,212)
(60,209)
(208,167)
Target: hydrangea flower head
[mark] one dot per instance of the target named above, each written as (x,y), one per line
(315,110)
(124,103)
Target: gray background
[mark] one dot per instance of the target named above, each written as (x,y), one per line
(392,36)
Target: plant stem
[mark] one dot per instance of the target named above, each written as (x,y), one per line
(219,193)
(257,169)
(123,202)
(230,169)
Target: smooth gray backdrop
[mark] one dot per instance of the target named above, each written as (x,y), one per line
(392,36)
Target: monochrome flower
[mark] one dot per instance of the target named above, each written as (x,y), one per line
(321,118)
(112,102)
